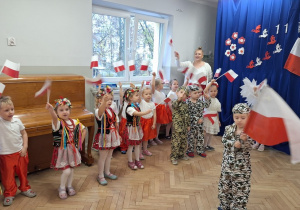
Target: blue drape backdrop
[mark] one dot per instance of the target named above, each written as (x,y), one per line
(260,26)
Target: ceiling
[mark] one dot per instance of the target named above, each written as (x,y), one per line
(213,3)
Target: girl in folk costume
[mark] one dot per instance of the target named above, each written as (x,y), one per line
(148,122)
(211,122)
(135,132)
(68,137)
(107,137)
(158,98)
(122,125)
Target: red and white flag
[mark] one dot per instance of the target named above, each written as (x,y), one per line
(131,65)
(144,65)
(94,61)
(11,69)
(119,66)
(293,62)
(201,77)
(167,100)
(94,81)
(161,74)
(231,75)
(2,87)
(43,90)
(217,73)
(272,121)
(185,70)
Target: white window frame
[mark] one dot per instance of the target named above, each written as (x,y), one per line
(128,76)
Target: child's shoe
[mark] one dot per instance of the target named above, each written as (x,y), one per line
(209,148)
(8,201)
(132,165)
(185,158)
(261,148)
(190,154)
(255,146)
(158,141)
(123,152)
(71,191)
(102,181)
(168,137)
(110,176)
(29,193)
(139,164)
(203,155)
(152,143)
(146,152)
(62,193)
(174,162)
(142,157)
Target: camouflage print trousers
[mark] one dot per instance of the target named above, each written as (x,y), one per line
(196,136)
(234,190)
(178,145)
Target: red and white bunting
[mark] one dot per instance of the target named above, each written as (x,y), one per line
(94,81)
(119,66)
(144,65)
(2,87)
(218,71)
(131,65)
(94,61)
(43,90)
(11,69)
(231,75)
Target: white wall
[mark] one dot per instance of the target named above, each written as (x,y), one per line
(191,28)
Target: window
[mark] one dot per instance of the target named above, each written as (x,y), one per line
(124,36)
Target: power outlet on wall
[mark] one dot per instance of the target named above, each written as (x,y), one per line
(11,41)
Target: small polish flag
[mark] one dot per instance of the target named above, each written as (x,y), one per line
(44,89)
(293,62)
(167,100)
(119,66)
(218,71)
(94,61)
(185,70)
(201,77)
(161,74)
(94,81)
(144,65)
(11,69)
(2,86)
(131,65)
(231,75)
(171,42)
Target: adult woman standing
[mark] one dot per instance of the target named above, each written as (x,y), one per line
(193,69)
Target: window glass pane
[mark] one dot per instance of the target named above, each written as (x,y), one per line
(147,46)
(108,43)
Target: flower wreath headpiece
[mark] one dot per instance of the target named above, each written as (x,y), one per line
(62,101)
(130,91)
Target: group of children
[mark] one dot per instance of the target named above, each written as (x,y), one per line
(191,111)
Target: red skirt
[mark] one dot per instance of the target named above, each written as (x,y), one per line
(149,133)
(161,114)
(169,113)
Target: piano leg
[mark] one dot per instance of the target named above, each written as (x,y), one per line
(87,157)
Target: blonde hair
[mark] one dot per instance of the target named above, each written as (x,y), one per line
(5,100)
(157,82)
(199,48)
(146,88)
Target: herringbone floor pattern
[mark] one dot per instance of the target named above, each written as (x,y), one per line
(191,184)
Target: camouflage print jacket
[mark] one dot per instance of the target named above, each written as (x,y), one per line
(196,109)
(180,116)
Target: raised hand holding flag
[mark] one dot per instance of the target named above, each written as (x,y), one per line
(46,88)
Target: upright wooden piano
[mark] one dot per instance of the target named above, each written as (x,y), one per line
(37,119)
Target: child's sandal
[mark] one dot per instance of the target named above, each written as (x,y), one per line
(71,191)
(62,193)
(132,165)
(139,164)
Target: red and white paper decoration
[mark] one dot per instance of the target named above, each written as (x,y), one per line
(131,65)
(11,69)
(94,61)
(144,65)
(119,66)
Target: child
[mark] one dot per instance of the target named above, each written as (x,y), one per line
(158,98)
(13,152)
(181,123)
(148,122)
(135,133)
(234,184)
(107,137)
(211,122)
(196,107)
(68,136)
(172,95)
(123,121)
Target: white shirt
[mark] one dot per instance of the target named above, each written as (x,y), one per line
(11,140)
(146,106)
(172,95)
(131,110)
(158,97)
(206,69)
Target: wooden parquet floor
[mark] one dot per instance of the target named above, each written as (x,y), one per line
(192,184)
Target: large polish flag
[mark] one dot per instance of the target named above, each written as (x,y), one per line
(293,62)
(44,89)
(231,75)
(272,122)
(2,87)
(11,69)
(131,65)
(144,65)
(94,61)
(119,66)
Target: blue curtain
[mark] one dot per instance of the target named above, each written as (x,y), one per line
(249,18)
